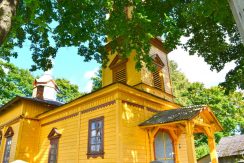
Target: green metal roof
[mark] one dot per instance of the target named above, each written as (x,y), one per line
(167,116)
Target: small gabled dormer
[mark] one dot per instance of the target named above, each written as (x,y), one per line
(118,68)
(157,82)
(45,87)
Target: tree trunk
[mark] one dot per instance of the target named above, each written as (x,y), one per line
(7,11)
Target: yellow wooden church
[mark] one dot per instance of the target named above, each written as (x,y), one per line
(131,119)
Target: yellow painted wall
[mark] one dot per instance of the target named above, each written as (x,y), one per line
(28,140)
(74,130)
(13,151)
(134,138)
(11,112)
(133,76)
(68,143)
(124,140)
(32,109)
(135,143)
(183,149)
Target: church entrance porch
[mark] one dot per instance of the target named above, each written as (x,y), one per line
(171,134)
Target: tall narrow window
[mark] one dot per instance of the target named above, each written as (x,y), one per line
(158,80)
(118,67)
(53,136)
(96,138)
(1,137)
(40,91)
(8,135)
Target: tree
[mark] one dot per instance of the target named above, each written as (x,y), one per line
(97,80)
(179,83)
(228,108)
(67,91)
(15,82)
(51,24)
(19,82)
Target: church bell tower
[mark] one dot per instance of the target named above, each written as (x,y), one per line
(123,71)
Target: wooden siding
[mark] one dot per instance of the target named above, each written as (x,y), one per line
(134,139)
(11,113)
(28,140)
(32,109)
(13,151)
(73,141)
(183,149)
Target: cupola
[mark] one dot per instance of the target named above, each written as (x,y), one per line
(45,87)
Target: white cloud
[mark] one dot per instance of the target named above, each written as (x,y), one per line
(197,70)
(88,86)
(88,75)
(91,73)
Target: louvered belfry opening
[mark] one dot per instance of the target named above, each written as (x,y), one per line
(118,67)
(157,81)
(157,75)
(119,74)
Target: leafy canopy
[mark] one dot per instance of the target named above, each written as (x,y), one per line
(52,24)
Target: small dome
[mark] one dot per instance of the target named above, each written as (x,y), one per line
(45,87)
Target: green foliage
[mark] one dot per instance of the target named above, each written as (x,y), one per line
(67,91)
(179,83)
(50,25)
(228,108)
(14,81)
(202,150)
(97,80)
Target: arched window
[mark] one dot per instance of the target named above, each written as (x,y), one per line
(164,150)
(8,135)
(53,136)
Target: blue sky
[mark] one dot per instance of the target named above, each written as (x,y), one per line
(67,65)
(70,66)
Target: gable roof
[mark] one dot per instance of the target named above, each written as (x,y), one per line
(118,60)
(17,98)
(231,146)
(180,114)
(157,60)
(167,116)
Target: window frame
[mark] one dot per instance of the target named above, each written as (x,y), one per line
(92,154)
(40,91)
(1,138)
(8,135)
(165,149)
(54,137)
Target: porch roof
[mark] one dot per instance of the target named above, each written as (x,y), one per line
(179,115)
